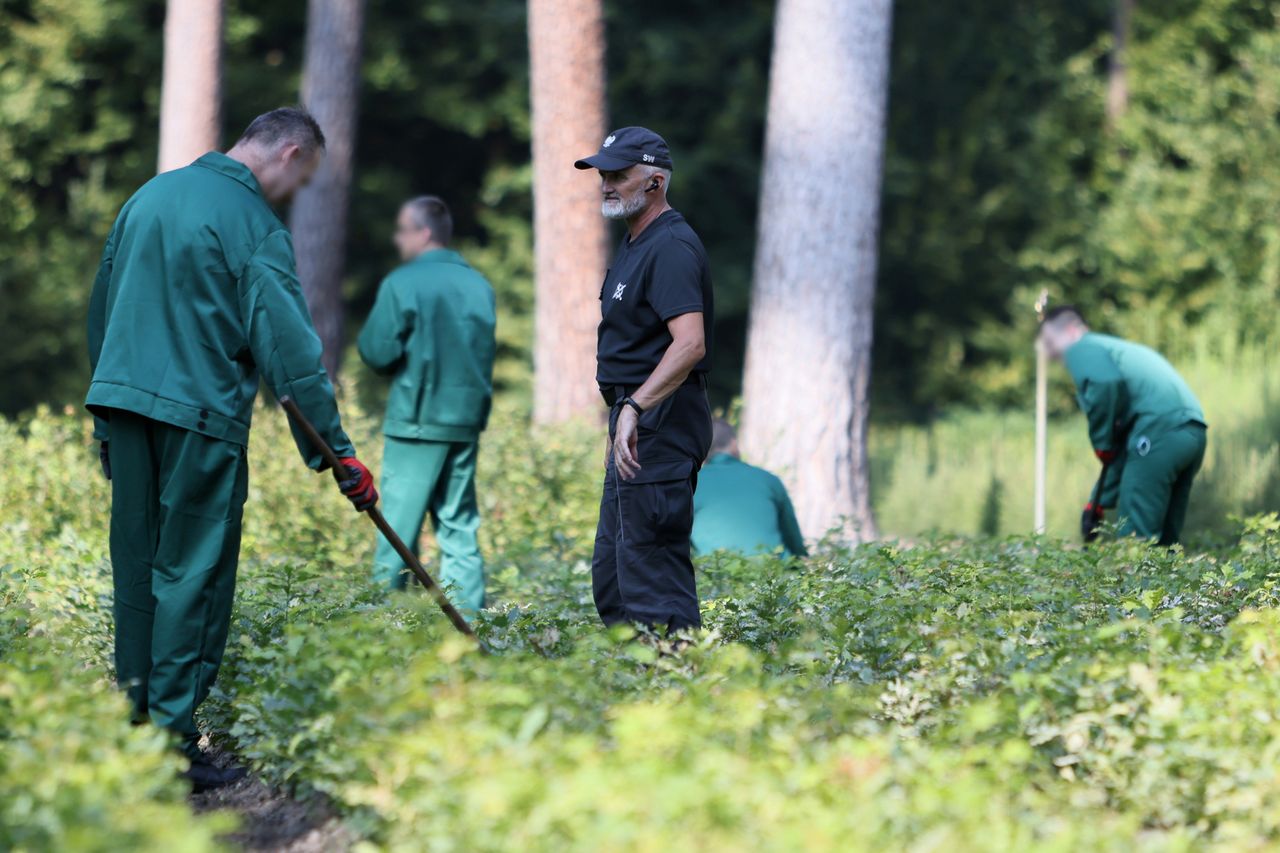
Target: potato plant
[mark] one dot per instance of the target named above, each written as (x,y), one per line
(951,695)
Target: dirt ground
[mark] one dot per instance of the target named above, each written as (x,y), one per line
(271,820)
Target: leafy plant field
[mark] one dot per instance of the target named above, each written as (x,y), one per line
(955,695)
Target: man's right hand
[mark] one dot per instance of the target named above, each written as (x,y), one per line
(104,456)
(358,484)
(626,456)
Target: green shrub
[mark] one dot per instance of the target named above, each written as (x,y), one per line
(959,695)
(74,775)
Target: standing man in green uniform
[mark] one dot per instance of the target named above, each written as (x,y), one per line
(739,507)
(432,331)
(1146,426)
(195,300)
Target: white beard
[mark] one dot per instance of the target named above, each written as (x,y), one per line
(622,208)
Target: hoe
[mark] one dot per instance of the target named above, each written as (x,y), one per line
(406,554)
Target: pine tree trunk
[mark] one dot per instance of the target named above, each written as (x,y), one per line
(809,343)
(1118,69)
(330,90)
(567,81)
(191,89)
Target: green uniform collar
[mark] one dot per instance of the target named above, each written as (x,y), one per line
(216,161)
(440,256)
(722,458)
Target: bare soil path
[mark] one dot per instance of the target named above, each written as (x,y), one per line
(272,820)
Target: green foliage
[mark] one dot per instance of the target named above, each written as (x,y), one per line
(75,139)
(74,774)
(1001,178)
(994,695)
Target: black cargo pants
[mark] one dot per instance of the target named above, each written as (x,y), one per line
(642,571)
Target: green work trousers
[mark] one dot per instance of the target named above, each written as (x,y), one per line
(1155,487)
(176,502)
(436,477)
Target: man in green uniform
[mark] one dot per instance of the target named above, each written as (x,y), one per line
(739,507)
(195,299)
(432,331)
(1145,425)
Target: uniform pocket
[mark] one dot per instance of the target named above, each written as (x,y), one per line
(667,508)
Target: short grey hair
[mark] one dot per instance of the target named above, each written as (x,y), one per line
(650,170)
(292,125)
(430,211)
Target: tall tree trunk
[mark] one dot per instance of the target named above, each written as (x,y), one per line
(566,53)
(809,343)
(1118,68)
(191,90)
(330,90)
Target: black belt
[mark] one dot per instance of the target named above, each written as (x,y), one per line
(613,393)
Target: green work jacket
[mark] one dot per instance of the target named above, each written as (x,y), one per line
(432,330)
(1129,393)
(739,507)
(196,299)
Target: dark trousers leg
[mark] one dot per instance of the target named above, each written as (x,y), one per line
(642,568)
(604,560)
(642,571)
(655,568)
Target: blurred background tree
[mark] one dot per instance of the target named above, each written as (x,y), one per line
(318,217)
(191,88)
(808,374)
(1001,173)
(569,116)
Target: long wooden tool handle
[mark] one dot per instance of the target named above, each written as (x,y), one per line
(410,559)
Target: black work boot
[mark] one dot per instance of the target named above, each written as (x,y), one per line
(204,775)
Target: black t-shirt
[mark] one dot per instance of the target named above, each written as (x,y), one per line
(661,275)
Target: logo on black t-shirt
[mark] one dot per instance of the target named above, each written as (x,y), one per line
(617,291)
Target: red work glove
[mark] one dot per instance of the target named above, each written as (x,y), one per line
(358,487)
(1090,520)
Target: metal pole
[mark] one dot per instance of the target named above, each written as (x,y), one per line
(1042,421)
(1042,425)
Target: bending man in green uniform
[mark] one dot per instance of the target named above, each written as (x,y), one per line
(432,331)
(195,299)
(739,507)
(1145,425)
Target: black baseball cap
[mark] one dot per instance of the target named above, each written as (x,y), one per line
(626,147)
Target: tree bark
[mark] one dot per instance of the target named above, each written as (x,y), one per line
(1118,68)
(191,88)
(809,342)
(330,90)
(567,83)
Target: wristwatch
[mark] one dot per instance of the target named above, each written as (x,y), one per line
(628,401)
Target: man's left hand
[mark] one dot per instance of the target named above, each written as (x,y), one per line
(625,438)
(358,486)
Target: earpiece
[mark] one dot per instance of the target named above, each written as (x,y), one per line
(653,186)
